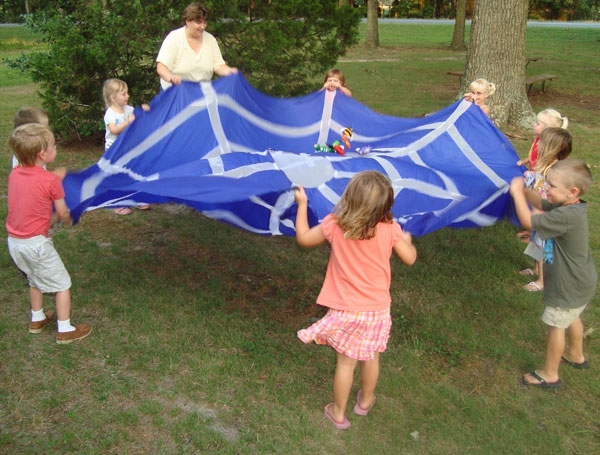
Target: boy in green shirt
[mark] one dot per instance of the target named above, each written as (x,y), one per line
(569,274)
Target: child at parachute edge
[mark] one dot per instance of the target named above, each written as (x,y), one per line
(118,116)
(28,115)
(479,90)
(570,273)
(356,289)
(32,191)
(554,145)
(546,118)
(335,80)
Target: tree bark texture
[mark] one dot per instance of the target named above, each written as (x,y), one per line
(458,37)
(372,33)
(497,53)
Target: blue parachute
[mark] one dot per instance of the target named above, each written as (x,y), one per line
(235,154)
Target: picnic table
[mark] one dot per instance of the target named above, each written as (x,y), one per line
(545,79)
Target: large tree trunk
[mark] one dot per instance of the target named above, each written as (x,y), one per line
(458,37)
(497,53)
(372,34)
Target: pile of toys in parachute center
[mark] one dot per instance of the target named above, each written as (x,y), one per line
(337,146)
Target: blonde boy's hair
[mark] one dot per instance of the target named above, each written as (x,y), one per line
(555,144)
(110,87)
(335,73)
(574,174)
(30,115)
(27,141)
(483,85)
(551,117)
(367,200)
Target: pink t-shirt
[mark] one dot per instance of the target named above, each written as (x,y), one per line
(358,274)
(31,192)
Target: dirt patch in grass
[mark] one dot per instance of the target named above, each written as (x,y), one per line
(554,97)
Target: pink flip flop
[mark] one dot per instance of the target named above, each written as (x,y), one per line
(357,409)
(527,272)
(340,426)
(533,287)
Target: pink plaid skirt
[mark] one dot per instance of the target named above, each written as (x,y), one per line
(357,334)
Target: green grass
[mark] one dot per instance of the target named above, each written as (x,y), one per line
(194,347)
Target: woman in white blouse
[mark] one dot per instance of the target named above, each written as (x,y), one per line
(190,53)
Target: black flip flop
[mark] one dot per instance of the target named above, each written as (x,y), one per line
(580,366)
(543,384)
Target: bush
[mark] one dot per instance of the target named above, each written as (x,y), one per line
(279,45)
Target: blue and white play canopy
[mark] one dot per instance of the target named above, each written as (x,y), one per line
(235,154)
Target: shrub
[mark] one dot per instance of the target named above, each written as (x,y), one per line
(279,45)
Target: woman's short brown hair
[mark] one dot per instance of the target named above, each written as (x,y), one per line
(195,12)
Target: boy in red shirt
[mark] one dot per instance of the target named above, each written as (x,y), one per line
(31,193)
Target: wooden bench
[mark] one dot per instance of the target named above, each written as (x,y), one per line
(529,82)
(460,75)
(537,78)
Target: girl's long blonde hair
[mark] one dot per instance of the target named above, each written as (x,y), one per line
(555,145)
(368,199)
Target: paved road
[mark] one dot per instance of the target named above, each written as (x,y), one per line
(529,23)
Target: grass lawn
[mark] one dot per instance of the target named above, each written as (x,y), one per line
(194,348)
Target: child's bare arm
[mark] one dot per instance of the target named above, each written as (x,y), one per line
(524,162)
(118,129)
(345,90)
(405,250)
(533,198)
(306,236)
(521,196)
(61,172)
(62,212)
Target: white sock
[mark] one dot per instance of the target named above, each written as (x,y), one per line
(65,326)
(37,316)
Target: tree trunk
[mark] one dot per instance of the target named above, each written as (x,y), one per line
(458,37)
(497,53)
(27,7)
(372,34)
(345,3)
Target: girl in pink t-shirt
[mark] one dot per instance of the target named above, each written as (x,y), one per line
(356,290)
